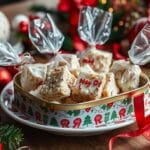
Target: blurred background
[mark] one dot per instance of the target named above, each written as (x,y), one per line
(4,2)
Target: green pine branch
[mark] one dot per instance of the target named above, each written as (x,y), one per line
(11,137)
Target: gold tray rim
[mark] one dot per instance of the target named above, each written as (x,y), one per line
(84,105)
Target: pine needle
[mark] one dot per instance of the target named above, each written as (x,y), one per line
(10,136)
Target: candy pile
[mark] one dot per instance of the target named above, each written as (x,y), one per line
(80,79)
(69,78)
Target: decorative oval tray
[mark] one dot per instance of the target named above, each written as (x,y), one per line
(91,114)
(7,97)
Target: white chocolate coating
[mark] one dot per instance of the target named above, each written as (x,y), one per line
(32,76)
(127,75)
(88,87)
(99,61)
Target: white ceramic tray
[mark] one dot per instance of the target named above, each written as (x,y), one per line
(7,97)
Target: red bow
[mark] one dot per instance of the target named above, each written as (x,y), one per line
(142,122)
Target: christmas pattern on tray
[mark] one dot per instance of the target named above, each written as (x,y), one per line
(104,115)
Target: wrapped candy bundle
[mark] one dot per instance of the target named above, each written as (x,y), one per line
(127,75)
(32,74)
(72,62)
(95,28)
(48,40)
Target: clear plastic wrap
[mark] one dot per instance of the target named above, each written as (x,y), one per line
(10,57)
(95,28)
(94,25)
(140,49)
(45,36)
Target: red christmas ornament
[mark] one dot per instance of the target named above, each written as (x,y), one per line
(64,5)
(23,27)
(5,77)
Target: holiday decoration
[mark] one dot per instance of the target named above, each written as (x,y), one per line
(114,115)
(5,77)
(4,27)
(54,122)
(87,121)
(10,137)
(18,19)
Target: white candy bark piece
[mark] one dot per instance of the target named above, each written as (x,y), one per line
(88,87)
(57,84)
(98,60)
(70,60)
(110,88)
(72,63)
(36,93)
(32,76)
(127,75)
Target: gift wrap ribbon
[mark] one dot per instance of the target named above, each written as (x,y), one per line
(142,122)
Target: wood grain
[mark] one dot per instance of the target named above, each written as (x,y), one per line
(40,140)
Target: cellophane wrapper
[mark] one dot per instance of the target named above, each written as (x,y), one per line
(94,25)
(8,55)
(140,50)
(45,36)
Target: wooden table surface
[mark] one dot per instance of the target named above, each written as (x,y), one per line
(41,140)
